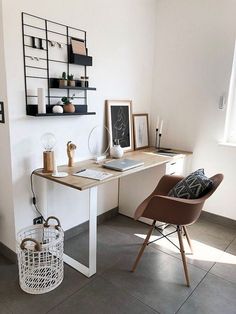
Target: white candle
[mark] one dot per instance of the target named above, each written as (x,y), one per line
(161,127)
(158,121)
(41,101)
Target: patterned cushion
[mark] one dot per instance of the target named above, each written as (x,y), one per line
(194,185)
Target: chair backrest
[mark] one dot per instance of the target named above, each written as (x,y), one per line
(217,179)
(196,210)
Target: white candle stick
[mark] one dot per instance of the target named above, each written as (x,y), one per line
(161,127)
(41,101)
(158,121)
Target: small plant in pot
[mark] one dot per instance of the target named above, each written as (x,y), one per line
(63,80)
(67,104)
(71,81)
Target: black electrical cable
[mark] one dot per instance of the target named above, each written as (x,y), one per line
(34,195)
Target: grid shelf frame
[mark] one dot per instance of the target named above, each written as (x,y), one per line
(41,29)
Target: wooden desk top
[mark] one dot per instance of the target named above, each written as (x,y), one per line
(147,156)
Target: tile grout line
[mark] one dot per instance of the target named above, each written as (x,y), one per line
(191,293)
(69,296)
(133,296)
(208,272)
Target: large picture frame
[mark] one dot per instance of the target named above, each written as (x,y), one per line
(119,123)
(141,131)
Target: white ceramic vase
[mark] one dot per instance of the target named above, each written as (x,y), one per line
(116,151)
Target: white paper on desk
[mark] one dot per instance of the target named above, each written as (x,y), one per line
(93,174)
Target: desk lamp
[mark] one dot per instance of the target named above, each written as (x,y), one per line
(98,143)
(48,141)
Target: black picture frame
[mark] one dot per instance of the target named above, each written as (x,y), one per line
(119,123)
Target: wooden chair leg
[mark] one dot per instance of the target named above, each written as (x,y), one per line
(179,231)
(143,246)
(188,239)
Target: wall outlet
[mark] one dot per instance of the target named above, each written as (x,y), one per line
(38,220)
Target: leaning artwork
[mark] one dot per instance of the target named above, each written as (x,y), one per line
(119,123)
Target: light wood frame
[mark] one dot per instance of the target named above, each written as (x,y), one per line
(136,144)
(109,122)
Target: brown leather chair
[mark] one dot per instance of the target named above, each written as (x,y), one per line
(171,210)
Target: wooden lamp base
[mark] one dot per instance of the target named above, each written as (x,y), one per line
(48,162)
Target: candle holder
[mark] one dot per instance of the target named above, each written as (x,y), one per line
(159,142)
(156,146)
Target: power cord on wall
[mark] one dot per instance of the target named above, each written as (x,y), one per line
(34,201)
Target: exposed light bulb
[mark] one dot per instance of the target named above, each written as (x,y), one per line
(48,141)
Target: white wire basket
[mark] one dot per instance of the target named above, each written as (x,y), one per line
(40,257)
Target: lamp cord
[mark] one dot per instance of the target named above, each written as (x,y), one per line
(34,195)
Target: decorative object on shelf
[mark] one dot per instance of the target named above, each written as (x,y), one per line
(78,46)
(98,142)
(70,153)
(41,100)
(116,151)
(41,44)
(57,109)
(2,114)
(60,45)
(84,81)
(33,42)
(119,122)
(63,81)
(48,141)
(68,106)
(141,130)
(71,81)
(52,43)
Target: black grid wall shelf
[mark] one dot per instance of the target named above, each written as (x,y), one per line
(47,50)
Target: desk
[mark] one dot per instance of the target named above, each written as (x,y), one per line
(150,160)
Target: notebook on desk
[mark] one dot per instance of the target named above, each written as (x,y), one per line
(122,164)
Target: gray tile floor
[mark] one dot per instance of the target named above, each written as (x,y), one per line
(157,286)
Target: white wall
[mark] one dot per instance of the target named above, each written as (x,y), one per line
(194,51)
(7,227)
(120,38)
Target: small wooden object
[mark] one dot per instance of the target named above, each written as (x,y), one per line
(70,153)
(48,162)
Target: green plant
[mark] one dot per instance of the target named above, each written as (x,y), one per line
(63,75)
(67,100)
(70,77)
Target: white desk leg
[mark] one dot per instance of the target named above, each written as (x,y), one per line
(91,270)
(93,230)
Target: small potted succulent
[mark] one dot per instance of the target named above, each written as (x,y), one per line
(67,104)
(71,81)
(63,80)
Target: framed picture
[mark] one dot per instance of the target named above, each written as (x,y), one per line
(2,116)
(141,134)
(78,46)
(119,123)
